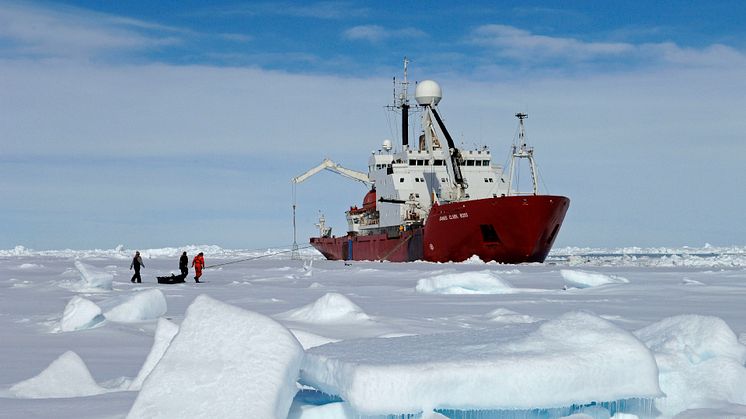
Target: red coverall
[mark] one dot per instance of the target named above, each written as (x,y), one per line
(198,263)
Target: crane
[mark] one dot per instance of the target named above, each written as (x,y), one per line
(334,167)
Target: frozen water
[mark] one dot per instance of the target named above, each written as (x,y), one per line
(700,361)
(164,334)
(582,279)
(330,308)
(575,359)
(93,277)
(483,282)
(137,307)
(225,362)
(67,376)
(80,314)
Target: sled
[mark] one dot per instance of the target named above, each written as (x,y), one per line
(173,279)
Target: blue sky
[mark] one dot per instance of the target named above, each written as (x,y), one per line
(166,123)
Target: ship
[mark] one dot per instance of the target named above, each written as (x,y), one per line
(433,201)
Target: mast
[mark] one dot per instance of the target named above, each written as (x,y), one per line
(404,105)
(523,151)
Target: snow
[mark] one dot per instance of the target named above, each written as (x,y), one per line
(684,304)
(80,314)
(92,277)
(66,376)
(225,362)
(483,282)
(582,279)
(575,359)
(164,334)
(137,307)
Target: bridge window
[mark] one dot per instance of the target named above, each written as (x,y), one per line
(412,162)
(485,162)
(438,163)
(401,180)
(477,162)
(470,162)
(492,180)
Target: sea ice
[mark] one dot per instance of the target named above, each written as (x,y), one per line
(225,362)
(79,314)
(582,279)
(164,334)
(93,277)
(577,358)
(482,282)
(700,359)
(330,308)
(67,376)
(136,307)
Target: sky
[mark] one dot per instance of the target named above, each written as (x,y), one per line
(152,124)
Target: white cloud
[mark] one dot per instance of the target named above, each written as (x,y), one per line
(69,32)
(375,33)
(523,45)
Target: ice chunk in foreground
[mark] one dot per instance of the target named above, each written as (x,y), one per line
(483,282)
(575,359)
(700,361)
(93,277)
(67,376)
(330,308)
(79,314)
(139,306)
(582,279)
(225,362)
(164,334)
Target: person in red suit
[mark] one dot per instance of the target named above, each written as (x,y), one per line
(198,263)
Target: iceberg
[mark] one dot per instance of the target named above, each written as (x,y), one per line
(225,362)
(92,277)
(573,360)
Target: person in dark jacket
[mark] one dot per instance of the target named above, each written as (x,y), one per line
(136,263)
(183,263)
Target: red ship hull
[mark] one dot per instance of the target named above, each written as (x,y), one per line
(512,229)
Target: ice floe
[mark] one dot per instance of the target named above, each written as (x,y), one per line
(164,334)
(481,282)
(93,278)
(225,362)
(136,307)
(79,314)
(700,359)
(582,279)
(577,358)
(330,308)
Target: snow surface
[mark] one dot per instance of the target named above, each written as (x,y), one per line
(587,357)
(224,362)
(330,308)
(66,376)
(80,314)
(699,362)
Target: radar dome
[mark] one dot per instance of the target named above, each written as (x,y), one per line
(387,145)
(428,93)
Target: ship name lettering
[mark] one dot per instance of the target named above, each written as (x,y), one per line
(464,215)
